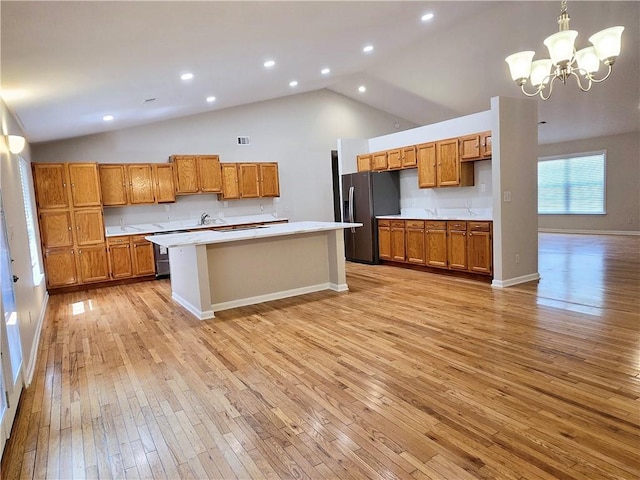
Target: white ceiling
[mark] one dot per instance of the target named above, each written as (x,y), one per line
(66,64)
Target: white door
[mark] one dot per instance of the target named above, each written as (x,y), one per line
(10,347)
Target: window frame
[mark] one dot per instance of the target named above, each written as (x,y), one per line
(28,201)
(569,156)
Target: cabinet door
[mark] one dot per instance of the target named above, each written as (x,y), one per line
(185,169)
(384,240)
(394,159)
(85,185)
(249,179)
(89,226)
(50,182)
(436,248)
(120,262)
(209,173)
(92,264)
(480,248)
(457,250)
(60,267)
(269,183)
(140,184)
(113,184)
(230,187)
(397,241)
(55,228)
(448,163)
(415,242)
(364,162)
(165,188)
(485,145)
(143,259)
(426,154)
(470,147)
(379,161)
(409,158)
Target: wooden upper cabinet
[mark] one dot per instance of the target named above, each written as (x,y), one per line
(364,162)
(485,145)
(426,154)
(55,228)
(50,182)
(379,161)
(230,186)
(470,147)
(409,158)
(165,187)
(85,184)
(209,174)
(60,267)
(249,179)
(448,171)
(89,226)
(269,182)
(140,183)
(186,174)
(113,184)
(394,159)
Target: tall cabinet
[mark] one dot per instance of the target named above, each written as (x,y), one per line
(71,223)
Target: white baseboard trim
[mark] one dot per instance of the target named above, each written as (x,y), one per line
(33,359)
(339,287)
(515,281)
(199,314)
(242,302)
(589,232)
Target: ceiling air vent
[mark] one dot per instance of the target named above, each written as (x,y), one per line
(244,141)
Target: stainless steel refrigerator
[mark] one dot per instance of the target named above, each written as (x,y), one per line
(366,195)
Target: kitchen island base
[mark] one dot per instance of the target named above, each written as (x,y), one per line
(210,277)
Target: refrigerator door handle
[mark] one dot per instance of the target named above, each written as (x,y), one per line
(351,219)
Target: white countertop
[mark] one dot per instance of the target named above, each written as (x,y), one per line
(466,218)
(212,236)
(145,228)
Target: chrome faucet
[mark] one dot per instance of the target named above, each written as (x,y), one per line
(203,218)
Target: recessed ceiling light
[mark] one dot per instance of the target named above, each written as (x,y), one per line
(293,83)
(269,63)
(362,89)
(426,17)
(368,49)
(186,76)
(211,99)
(325,71)
(108,118)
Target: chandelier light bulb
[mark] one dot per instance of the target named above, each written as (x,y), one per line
(560,46)
(587,59)
(540,71)
(520,65)
(607,43)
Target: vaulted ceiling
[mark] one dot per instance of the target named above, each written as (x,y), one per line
(64,64)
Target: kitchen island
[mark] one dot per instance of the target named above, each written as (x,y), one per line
(218,270)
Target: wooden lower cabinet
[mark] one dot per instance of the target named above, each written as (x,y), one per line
(397,241)
(143,259)
(436,243)
(120,263)
(60,265)
(457,245)
(92,264)
(480,247)
(414,233)
(384,239)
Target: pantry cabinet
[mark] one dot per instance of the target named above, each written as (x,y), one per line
(384,239)
(50,185)
(60,267)
(85,185)
(92,264)
(457,245)
(56,229)
(89,226)
(415,237)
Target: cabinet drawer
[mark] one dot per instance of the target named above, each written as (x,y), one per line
(118,240)
(415,224)
(479,226)
(397,223)
(431,225)
(384,223)
(139,238)
(457,226)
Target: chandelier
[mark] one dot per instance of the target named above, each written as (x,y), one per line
(565,61)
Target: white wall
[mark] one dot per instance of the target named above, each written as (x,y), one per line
(298,132)
(30,299)
(622,185)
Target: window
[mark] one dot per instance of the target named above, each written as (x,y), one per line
(572,184)
(34,251)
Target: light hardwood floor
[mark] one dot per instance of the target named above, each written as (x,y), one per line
(409,375)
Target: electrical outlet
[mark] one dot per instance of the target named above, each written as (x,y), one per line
(121,221)
(630,220)
(262,208)
(517,258)
(225,204)
(467,203)
(507,196)
(167,208)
